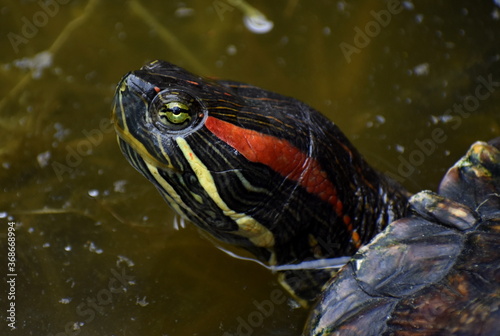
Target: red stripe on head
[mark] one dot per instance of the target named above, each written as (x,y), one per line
(278,154)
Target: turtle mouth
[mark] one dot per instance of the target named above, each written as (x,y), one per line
(133,148)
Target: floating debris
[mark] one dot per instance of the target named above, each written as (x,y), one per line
(65,300)
(119,186)
(93,248)
(141,302)
(36,64)
(43,159)
(123,259)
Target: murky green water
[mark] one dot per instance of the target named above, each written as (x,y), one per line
(97,250)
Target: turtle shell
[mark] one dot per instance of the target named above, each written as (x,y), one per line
(434,272)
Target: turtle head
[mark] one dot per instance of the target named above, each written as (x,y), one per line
(165,119)
(251,167)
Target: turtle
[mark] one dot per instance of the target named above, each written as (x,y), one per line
(269,174)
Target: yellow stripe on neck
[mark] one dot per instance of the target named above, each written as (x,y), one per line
(248,227)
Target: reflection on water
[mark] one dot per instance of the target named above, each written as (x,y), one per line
(97,252)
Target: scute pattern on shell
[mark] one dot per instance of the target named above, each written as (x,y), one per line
(435,272)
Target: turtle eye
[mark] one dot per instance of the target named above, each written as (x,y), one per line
(175,110)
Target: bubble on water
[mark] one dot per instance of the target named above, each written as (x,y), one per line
(421,69)
(258,23)
(93,193)
(231,50)
(495,14)
(183,12)
(380,119)
(408,5)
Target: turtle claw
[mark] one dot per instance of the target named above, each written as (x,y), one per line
(439,209)
(475,179)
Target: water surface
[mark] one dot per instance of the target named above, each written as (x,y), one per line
(97,249)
